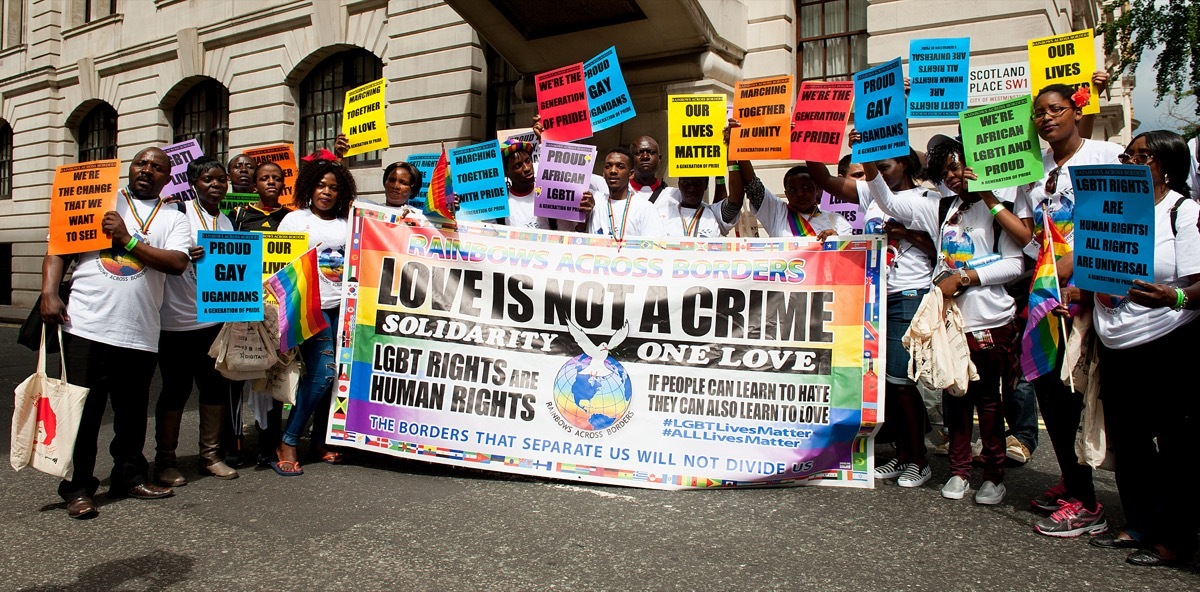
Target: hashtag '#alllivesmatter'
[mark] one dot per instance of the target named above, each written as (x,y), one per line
(666,432)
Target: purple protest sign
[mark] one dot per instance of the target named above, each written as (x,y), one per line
(181,154)
(849,210)
(564,173)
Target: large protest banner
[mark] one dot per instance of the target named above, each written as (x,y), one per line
(707,363)
(880,113)
(1001,144)
(180,155)
(425,162)
(608,97)
(937,70)
(694,135)
(281,248)
(228,285)
(564,176)
(1114,226)
(998,82)
(479,183)
(284,156)
(563,104)
(819,120)
(81,194)
(363,118)
(1070,59)
(761,107)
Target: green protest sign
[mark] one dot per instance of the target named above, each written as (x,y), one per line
(1001,144)
(233,200)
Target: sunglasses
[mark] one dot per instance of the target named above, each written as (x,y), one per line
(1052,181)
(1138,158)
(958,214)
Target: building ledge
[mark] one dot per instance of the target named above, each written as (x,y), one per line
(99,23)
(14,50)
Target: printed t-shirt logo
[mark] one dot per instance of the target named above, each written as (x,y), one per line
(958,247)
(330,262)
(117,263)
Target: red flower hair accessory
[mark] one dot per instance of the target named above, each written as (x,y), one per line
(1081,97)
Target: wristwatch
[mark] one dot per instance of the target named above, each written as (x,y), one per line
(964,280)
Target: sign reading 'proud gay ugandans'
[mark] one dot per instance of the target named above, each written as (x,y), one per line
(880,113)
(228,283)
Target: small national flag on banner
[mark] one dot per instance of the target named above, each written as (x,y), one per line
(441,189)
(1040,342)
(296,289)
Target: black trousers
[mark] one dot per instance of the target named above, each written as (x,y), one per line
(121,375)
(1061,409)
(182,360)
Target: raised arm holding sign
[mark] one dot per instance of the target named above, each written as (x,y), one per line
(879,114)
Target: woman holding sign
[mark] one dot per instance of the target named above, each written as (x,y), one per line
(184,343)
(1147,341)
(325,191)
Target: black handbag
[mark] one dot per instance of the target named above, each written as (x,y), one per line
(30,333)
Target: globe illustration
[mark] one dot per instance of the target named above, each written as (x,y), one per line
(120,262)
(591,402)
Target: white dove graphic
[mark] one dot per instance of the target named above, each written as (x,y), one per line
(598,353)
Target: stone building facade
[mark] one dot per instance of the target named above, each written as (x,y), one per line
(87,79)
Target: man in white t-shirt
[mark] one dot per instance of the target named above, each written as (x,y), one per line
(690,216)
(620,214)
(111,327)
(644,181)
(521,174)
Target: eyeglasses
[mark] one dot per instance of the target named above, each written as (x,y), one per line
(1052,111)
(1052,181)
(958,214)
(1138,158)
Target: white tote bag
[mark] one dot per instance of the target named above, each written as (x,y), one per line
(46,419)
(939,358)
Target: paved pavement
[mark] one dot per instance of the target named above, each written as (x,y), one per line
(382,524)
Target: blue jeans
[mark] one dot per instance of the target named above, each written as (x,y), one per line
(320,368)
(901,307)
(1021,412)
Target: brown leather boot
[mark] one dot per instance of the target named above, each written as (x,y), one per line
(210,443)
(166,440)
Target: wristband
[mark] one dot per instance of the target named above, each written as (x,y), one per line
(996,209)
(133,242)
(1180,299)
(720,180)
(733,168)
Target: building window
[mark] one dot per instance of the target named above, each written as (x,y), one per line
(502,96)
(203,114)
(98,134)
(832,37)
(322,93)
(94,10)
(6,161)
(6,273)
(12,23)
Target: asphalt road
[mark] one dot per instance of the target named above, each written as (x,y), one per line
(377,523)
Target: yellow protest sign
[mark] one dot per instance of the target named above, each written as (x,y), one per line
(363,119)
(694,126)
(281,248)
(1070,59)
(761,106)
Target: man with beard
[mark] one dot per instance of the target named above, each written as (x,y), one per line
(112,327)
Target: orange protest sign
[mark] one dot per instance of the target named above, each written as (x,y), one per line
(80,195)
(285,157)
(761,107)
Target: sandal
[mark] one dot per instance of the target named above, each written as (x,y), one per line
(332,457)
(287,468)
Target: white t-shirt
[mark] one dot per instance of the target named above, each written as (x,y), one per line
(702,222)
(1122,324)
(774,216)
(646,191)
(1062,203)
(635,215)
(331,255)
(115,298)
(178,312)
(520,213)
(911,268)
(1193,171)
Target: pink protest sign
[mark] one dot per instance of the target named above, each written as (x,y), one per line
(851,211)
(181,154)
(563,105)
(564,173)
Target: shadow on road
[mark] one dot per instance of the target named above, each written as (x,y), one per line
(157,570)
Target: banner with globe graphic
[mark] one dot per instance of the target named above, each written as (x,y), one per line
(667,364)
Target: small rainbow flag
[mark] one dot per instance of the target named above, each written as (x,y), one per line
(1041,340)
(800,226)
(441,189)
(296,289)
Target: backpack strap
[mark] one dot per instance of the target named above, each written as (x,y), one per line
(1175,214)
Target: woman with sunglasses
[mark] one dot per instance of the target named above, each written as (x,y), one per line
(325,191)
(1057,115)
(1147,343)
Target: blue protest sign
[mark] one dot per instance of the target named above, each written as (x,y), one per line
(879,113)
(425,164)
(608,97)
(229,277)
(1114,226)
(937,71)
(479,184)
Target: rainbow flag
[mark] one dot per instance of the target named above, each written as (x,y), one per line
(296,289)
(800,226)
(1041,340)
(441,189)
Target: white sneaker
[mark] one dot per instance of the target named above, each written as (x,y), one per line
(889,470)
(990,494)
(914,476)
(956,488)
